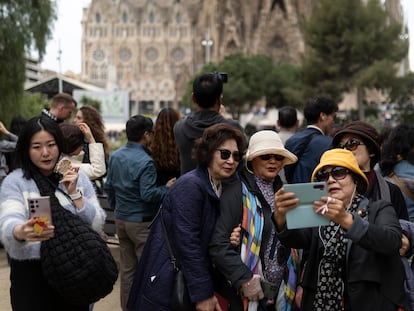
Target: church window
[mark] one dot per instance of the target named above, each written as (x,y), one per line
(278,43)
(151,54)
(151,18)
(125,54)
(125,17)
(104,72)
(178,54)
(178,18)
(98,55)
(120,72)
(98,18)
(94,72)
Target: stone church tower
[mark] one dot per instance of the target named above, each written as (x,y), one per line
(152,48)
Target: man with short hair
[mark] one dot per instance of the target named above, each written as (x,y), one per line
(287,126)
(61,108)
(208,96)
(287,123)
(131,186)
(309,145)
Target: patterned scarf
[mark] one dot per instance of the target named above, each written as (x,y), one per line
(330,286)
(293,265)
(252,225)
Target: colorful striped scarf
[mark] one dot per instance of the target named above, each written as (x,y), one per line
(293,265)
(252,225)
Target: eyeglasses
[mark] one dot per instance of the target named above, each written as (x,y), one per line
(267,157)
(351,144)
(225,155)
(337,173)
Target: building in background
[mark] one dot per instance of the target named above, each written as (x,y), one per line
(34,72)
(152,48)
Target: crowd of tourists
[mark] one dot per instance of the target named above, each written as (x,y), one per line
(203,213)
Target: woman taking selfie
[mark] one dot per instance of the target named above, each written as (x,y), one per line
(37,152)
(353,262)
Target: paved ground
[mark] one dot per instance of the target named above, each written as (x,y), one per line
(109,303)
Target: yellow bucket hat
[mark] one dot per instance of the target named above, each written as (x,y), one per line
(340,157)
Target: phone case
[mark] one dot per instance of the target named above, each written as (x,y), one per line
(303,216)
(40,207)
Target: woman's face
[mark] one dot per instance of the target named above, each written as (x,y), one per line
(360,152)
(267,166)
(220,168)
(341,187)
(78,117)
(44,152)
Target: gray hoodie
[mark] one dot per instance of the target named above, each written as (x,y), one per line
(192,127)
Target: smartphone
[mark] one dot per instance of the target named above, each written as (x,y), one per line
(303,216)
(40,207)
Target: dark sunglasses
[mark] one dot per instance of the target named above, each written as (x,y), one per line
(351,144)
(337,173)
(225,155)
(267,157)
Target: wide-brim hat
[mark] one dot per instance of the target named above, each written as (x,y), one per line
(367,132)
(268,142)
(340,157)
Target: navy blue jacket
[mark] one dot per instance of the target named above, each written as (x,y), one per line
(316,144)
(189,211)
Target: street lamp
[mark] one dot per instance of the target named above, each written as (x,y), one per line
(207,43)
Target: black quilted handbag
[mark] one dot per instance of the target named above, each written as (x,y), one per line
(76,262)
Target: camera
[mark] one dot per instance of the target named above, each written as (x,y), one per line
(222,76)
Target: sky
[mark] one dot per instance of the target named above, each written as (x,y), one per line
(67,33)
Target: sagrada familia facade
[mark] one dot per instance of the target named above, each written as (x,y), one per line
(151,48)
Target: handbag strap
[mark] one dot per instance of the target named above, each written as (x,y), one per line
(402,186)
(164,230)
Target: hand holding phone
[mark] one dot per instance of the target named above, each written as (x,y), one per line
(39,209)
(304,216)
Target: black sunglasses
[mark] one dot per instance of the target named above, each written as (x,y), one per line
(267,157)
(337,173)
(351,144)
(225,155)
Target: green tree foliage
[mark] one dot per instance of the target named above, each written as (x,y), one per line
(284,86)
(251,78)
(85,100)
(402,93)
(351,44)
(32,104)
(24,26)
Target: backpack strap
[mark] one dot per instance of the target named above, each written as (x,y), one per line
(402,186)
(384,189)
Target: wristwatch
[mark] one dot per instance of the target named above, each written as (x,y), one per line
(76,196)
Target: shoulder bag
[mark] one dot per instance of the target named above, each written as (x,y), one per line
(180,299)
(76,262)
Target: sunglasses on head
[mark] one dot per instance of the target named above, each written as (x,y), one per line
(337,173)
(267,157)
(225,155)
(351,144)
